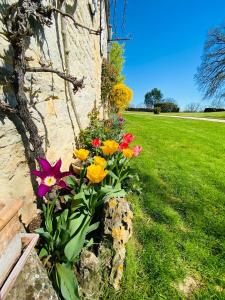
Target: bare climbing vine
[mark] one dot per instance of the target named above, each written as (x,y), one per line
(17,22)
(77,84)
(67,62)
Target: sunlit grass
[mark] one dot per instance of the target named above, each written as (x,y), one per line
(211,115)
(179,228)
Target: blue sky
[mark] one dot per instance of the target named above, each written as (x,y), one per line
(167,43)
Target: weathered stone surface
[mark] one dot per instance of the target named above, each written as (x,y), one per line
(50,104)
(89,275)
(118,224)
(95,272)
(33,282)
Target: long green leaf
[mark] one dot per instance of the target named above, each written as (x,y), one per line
(71,182)
(43,233)
(75,223)
(93,227)
(75,245)
(68,282)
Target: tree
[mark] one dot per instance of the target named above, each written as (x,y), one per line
(116,58)
(170,100)
(211,73)
(153,97)
(217,103)
(193,107)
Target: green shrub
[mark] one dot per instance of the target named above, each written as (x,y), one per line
(109,79)
(110,129)
(212,109)
(167,107)
(157,110)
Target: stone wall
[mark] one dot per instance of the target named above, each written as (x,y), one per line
(62,46)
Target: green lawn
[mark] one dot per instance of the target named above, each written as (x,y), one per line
(179,227)
(212,115)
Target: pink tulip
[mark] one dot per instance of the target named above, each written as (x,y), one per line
(137,150)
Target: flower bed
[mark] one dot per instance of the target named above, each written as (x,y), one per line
(73,201)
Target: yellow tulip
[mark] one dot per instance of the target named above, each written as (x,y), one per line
(100,161)
(110,147)
(96,173)
(82,154)
(128,153)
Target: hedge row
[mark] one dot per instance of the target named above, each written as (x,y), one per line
(164,107)
(167,107)
(212,109)
(139,109)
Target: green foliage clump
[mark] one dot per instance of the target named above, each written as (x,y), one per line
(157,110)
(110,129)
(167,107)
(109,79)
(116,58)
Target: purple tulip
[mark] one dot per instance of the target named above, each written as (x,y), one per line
(121,120)
(50,176)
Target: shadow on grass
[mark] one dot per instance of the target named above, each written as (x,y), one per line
(158,203)
(178,236)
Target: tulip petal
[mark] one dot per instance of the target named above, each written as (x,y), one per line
(62,184)
(37,173)
(45,165)
(57,166)
(43,189)
(64,174)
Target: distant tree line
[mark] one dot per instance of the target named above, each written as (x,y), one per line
(154,99)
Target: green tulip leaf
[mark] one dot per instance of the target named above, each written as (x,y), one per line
(68,282)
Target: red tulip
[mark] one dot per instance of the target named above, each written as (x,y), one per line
(128,138)
(96,143)
(123,145)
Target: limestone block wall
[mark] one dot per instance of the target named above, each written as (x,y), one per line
(62,46)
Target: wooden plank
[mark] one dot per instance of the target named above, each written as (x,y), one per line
(8,209)
(20,264)
(8,232)
(9,257)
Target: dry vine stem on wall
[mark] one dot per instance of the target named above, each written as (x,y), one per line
(18,30)
(67,63)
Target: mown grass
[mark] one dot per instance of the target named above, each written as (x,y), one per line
(211,115)
(179,226)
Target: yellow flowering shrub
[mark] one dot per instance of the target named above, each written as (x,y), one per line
(96,173)
(128,153)
(82,154)
(110,147)
(120,97)
(100,161)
